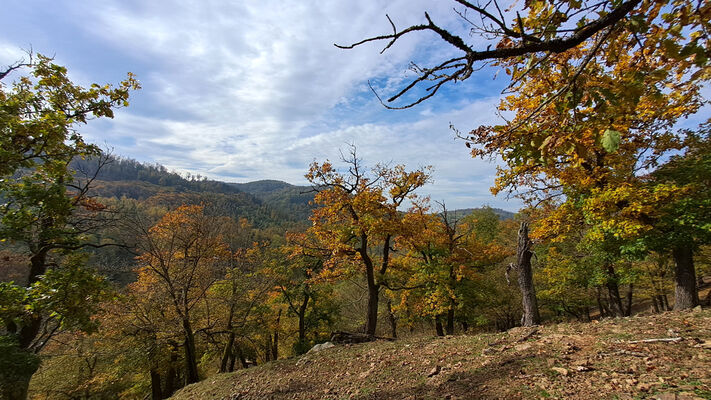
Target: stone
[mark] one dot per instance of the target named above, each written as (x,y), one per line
(434,371)
(522,347)
(320,347)
(561,371)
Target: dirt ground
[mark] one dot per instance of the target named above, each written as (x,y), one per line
(610,359)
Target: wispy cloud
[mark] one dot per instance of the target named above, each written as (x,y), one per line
(247,90)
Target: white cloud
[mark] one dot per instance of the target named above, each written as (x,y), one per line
(253,90)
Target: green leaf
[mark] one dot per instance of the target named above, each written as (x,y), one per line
(611,140)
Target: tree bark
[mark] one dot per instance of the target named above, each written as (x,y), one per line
(242,358)
(191,370)
(392,320)
(613,292)
(372,321)
(227,353)
(665,301)
(601,307)
(268,348)
(373,287)
(18,366)
(525,278)
(450,320)
(171,375)
(302,319)
(156,392)
(685,296)
(275,343)
(628,308)
(438,326)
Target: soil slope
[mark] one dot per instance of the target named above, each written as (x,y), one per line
(611,359)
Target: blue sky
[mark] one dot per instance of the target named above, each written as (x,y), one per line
(247,90)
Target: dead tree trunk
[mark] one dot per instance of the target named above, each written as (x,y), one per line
(685,296)
(525,278)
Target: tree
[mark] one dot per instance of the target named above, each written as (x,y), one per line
(46,210)
(525,278)
(359,219)
(667,211)
(527,37)
(443,254)
(305,295)
(182,257)
(623,74)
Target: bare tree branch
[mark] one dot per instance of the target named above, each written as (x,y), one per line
(514,44)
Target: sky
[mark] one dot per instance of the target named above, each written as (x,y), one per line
(246,90)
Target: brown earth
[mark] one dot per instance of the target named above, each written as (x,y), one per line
(597,360)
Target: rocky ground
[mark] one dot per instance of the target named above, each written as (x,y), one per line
(665,356)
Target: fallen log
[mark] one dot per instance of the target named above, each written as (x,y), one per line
(662,340)
(341,337)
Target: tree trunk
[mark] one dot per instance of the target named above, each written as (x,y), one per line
(156,392)
(450,320)
(38,265)
(171,375)
(191,370)
(685,295)
(525,278)
(373,297)
(655,305)
(275,343)
(392,320)
(16,369)
(438,326)
(242,358)
(601,307)
(231,364)
(227,353)
(302,320)
(613,292)
(268,348)
(628,308)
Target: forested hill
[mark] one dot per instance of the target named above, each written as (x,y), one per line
(263,203)
(503,214)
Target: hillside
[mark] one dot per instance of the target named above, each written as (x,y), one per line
(570,360)
(503,214)
(290,199)
(264,202)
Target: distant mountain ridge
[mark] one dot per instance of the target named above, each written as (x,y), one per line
(503,214)
(263,202)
